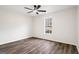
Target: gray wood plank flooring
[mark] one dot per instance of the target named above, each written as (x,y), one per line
(37,46)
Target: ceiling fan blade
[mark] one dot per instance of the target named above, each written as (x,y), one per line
(28,8)
(30,12)
(37,13)
(42,10)
(38,6)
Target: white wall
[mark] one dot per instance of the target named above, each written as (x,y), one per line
(78,27)
(14,26)
(64,26)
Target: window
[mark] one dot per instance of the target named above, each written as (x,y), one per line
(48,25)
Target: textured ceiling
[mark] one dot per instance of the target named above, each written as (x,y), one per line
(48,8)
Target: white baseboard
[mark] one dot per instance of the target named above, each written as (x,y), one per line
(57,41)
(14,40)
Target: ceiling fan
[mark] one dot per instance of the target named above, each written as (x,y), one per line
(35,8)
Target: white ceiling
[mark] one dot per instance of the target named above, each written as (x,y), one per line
(48,8)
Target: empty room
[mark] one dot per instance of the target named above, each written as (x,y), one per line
(39,29)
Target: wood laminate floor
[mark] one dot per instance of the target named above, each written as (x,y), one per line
(37,46)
